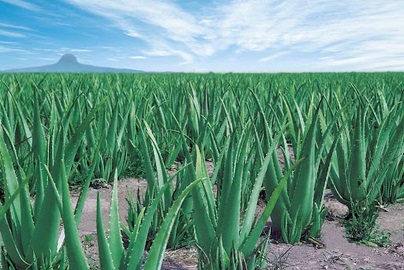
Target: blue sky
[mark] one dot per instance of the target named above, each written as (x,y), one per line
(210,35)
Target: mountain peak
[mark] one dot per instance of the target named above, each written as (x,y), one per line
(68,59)
(68,64)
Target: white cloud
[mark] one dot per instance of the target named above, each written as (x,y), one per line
(138,57)
(23,4)
(11,34)
(7,49)
(187,58)
(5,25)
(171,25)
(176,22)
(273,57)
(13,31)
(345,33)
(63,50)
(371,55)
(132,33)
(75,50)
(341,29)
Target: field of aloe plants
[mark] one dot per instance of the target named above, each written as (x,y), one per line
(282,138)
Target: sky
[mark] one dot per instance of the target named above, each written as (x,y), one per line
(206,35)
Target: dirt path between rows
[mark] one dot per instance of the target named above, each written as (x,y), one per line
(337,254)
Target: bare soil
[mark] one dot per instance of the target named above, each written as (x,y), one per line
(337,252)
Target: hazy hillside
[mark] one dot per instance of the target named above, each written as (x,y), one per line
(69,63)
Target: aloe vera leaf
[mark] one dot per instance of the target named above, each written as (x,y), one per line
(114,237)
(138,241)
(155,257)
(162,177)
(83,194)
(5,207)
(76,139)
(14,249)
(249,244)
(133,235)
(325,170)
(225,185)
(23,119)
(9,244)
(147,164)
(111,134)
(11,185)
(231,214)
(45,236)
(305,178)
(204,221)
(253,199)
(21,216)
(105,255)
(357,161)
(39,148)
(75,252)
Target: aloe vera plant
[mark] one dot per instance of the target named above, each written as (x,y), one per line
(368,158)
(31,232)
(26,254)
(111,251)
(366,168)
(226,231)
(299,211)
(182,232)
(227,238)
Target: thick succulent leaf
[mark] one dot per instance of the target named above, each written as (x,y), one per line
(104,251)
(138,241)
(75,252)
(155,257)
(249,244)
(114,237)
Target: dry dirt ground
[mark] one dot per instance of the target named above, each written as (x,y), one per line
(338,253)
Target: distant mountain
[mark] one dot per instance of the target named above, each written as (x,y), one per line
(69,63)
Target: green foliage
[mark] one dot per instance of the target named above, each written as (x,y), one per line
(347,130)
(31,231)
(228,234)
(113,255)
(362,227)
